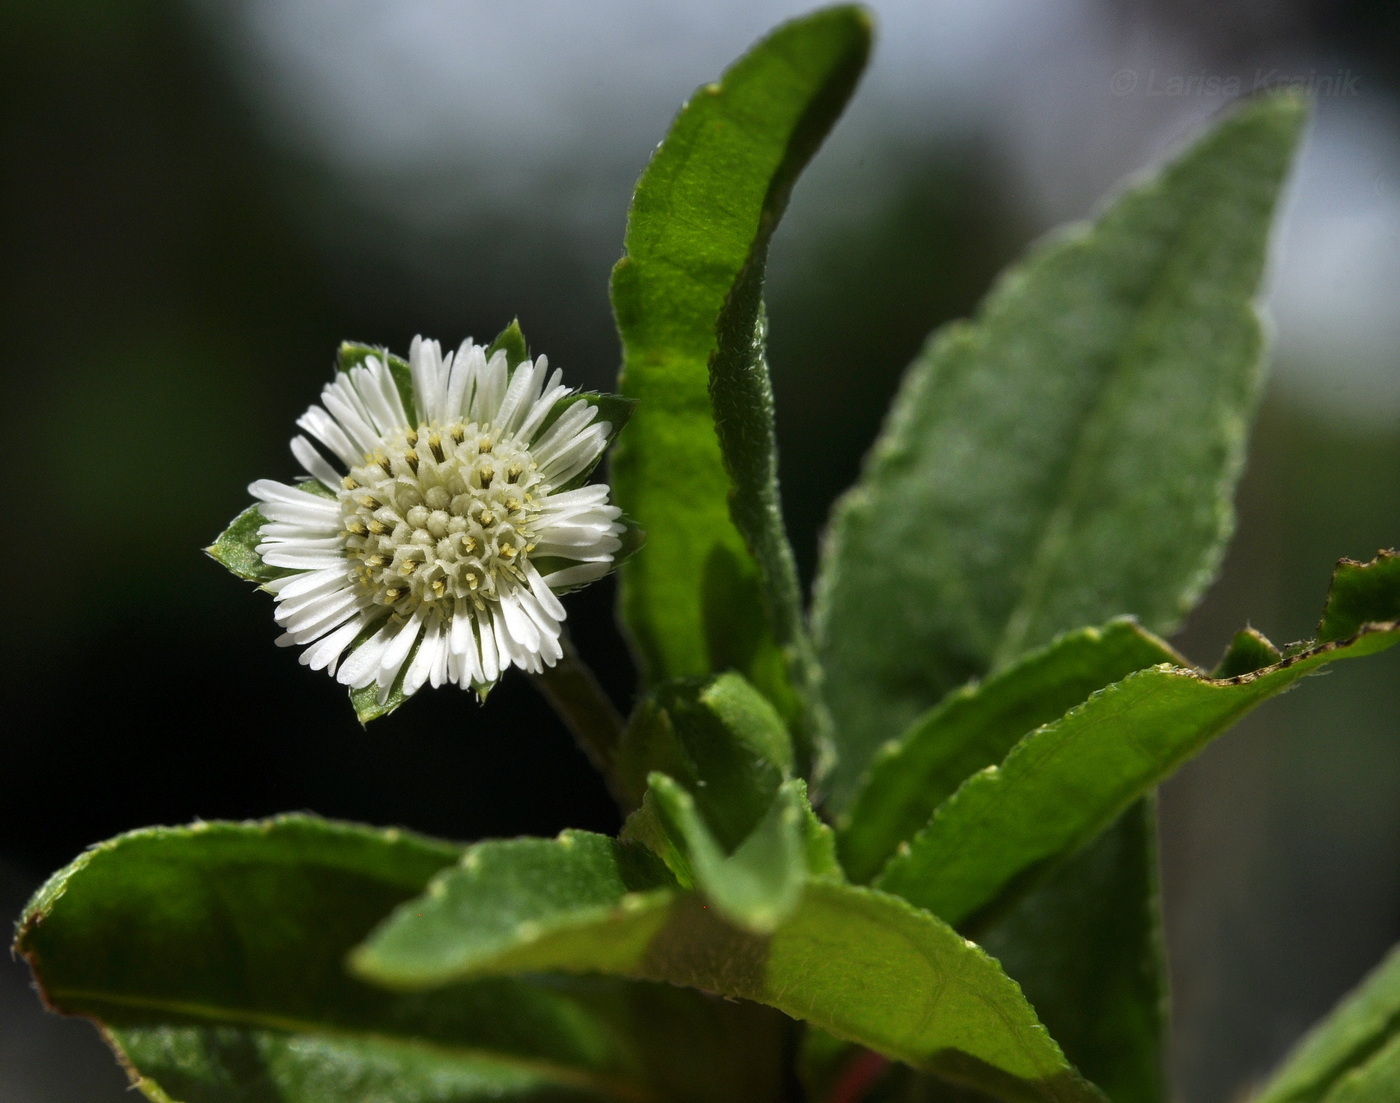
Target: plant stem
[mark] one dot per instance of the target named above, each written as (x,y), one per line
(573,690)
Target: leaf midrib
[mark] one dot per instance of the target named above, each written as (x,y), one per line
(563,1075)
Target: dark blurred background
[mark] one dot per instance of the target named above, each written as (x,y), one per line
(201,199)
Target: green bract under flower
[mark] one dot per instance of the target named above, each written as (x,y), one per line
(438,556)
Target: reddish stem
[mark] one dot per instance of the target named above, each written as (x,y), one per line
(859,1077)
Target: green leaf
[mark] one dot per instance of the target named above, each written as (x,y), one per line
(213,957)
(1086,949)
(1353,1055)
(696,235)
(974,727)
(1068,456)
(352,355)
(858,963)
(1067,781)
(235,548)
(708,763)
(757,884)
(1361,594)
(1248,651)
(721,739)
(512,340)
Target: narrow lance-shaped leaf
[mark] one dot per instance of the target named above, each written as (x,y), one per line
(1353,1055)
(213,957)
(1085,946)
(1065,458)
(697,602)
(1068,780)
(861,964)
(1068,456)
(974,727)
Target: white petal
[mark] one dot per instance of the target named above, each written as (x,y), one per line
(571,423)
(522,629)
(315,464)
(270,490)
(490,389)
(324,428)
(334,583)
(429,650)
(576,458)
(355,424)
(578,574)
(277,542)
(538,412)
(546,624)
(580,496)
(399,647)
(524,386)
(344,388)
(310,560)
(296,585)
(543,594)
(491,661)
(326,652)
(471,359)
(429,382)
(463,667)
(383,415)
(285,532)
(506,643)
(362,664)
(384,380)
(308,512)
(309,624)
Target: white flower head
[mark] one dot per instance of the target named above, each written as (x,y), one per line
(436,554)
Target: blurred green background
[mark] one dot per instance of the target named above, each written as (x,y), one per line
(201,199)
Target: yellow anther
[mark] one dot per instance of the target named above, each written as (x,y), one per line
(487,473)
(409,566)
(435,443)
(487,518)
(412,437)
(411,458)
(374,562)
(369,501)
(394,594)
(349,484)
(355,528)
(458,434)
(473,580)
(439,587)
(379,528)
(468,543)
(513,472)
(512,504)
(508,550)
(484,445)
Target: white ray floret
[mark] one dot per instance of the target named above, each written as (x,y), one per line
(422,556)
